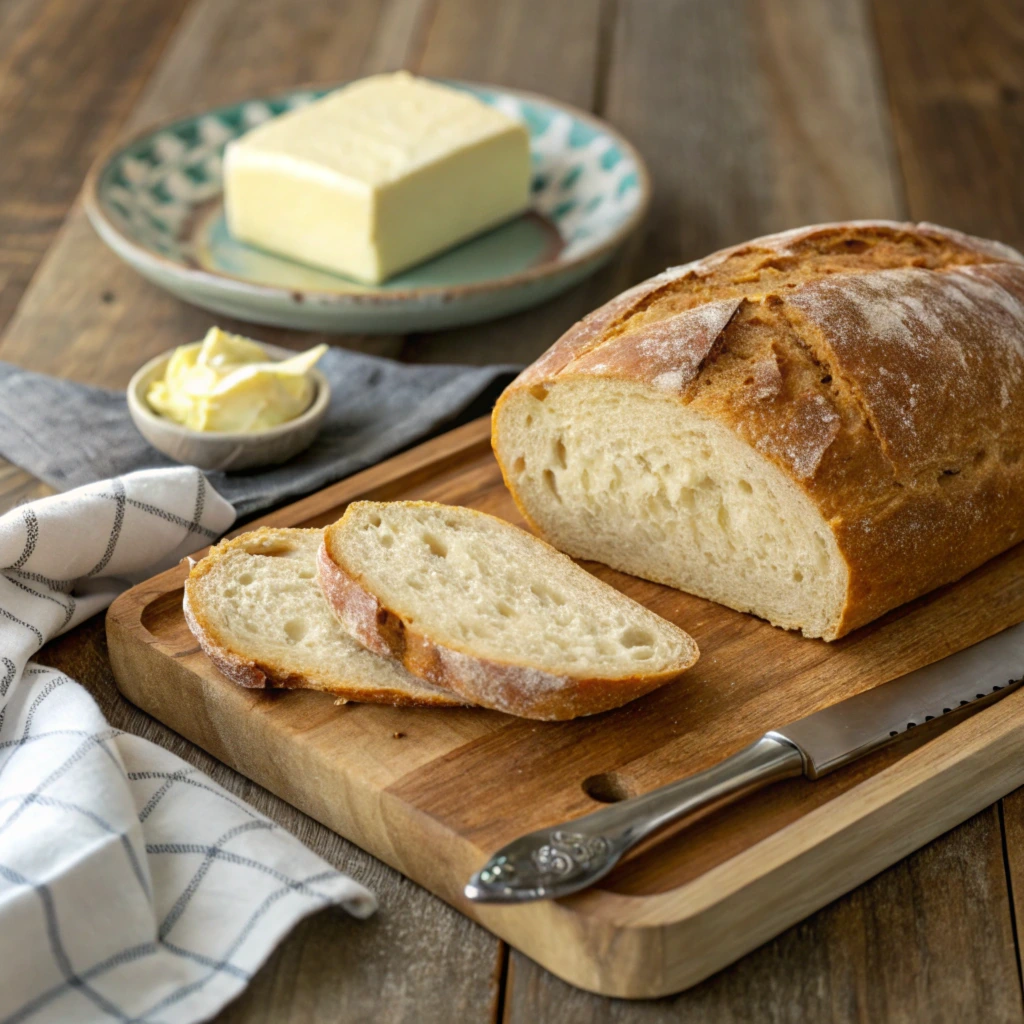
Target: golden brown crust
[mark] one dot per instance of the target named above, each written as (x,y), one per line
(582,335)
(258,674)
(668,354)
(878,364)
(502,686)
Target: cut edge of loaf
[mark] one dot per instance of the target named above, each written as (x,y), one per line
(715,487)
(256,673)
(524,691)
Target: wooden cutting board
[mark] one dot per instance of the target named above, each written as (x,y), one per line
(433,792)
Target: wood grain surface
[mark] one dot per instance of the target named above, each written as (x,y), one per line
(77,69)
(753,114)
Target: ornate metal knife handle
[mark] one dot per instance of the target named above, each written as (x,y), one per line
(555,862)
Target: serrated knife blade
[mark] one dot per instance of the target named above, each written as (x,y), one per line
(563,859)
(845,731)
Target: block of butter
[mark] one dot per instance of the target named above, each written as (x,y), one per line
(377,176)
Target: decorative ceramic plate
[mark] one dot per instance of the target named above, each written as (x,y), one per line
(157,202)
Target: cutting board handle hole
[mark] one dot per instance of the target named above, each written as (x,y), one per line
(608,787)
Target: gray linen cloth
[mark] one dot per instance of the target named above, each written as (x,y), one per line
(69,434)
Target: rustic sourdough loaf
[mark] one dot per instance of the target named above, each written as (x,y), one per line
(814,426)
(470,602)
(254,606)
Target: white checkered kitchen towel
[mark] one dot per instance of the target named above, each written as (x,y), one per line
(132,887)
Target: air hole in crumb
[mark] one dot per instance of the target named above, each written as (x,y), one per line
(545,593)
(306,574)
(436,545)
(560,452)
(635,636)
(539,392)
(529,421)
(271,549)
(827,379)
(608,788)
(375,520)
(549,480)
(798,576)
(295,630)
(506,610)
(246,578)
(641,653)
(745,487)
(386,540)
(980,457)
(519,465)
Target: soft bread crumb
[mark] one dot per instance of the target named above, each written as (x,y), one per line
(670,495)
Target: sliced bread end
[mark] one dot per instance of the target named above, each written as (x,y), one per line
(249,632)
(518,686)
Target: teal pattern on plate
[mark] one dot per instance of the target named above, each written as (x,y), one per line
(162,193)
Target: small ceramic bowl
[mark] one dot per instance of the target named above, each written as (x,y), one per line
(225,451)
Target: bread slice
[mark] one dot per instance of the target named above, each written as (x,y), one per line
(470,602)
(254,606)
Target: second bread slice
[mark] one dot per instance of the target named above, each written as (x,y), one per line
(255,608)
(467,601)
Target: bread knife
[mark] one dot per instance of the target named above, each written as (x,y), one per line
(563,859)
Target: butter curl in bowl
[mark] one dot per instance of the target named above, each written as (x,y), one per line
(230,403)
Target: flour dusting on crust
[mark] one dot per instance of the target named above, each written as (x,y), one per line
(927,352)
(767,379)
(667,353)
(803,434)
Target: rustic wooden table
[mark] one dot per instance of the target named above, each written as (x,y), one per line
(754,115)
